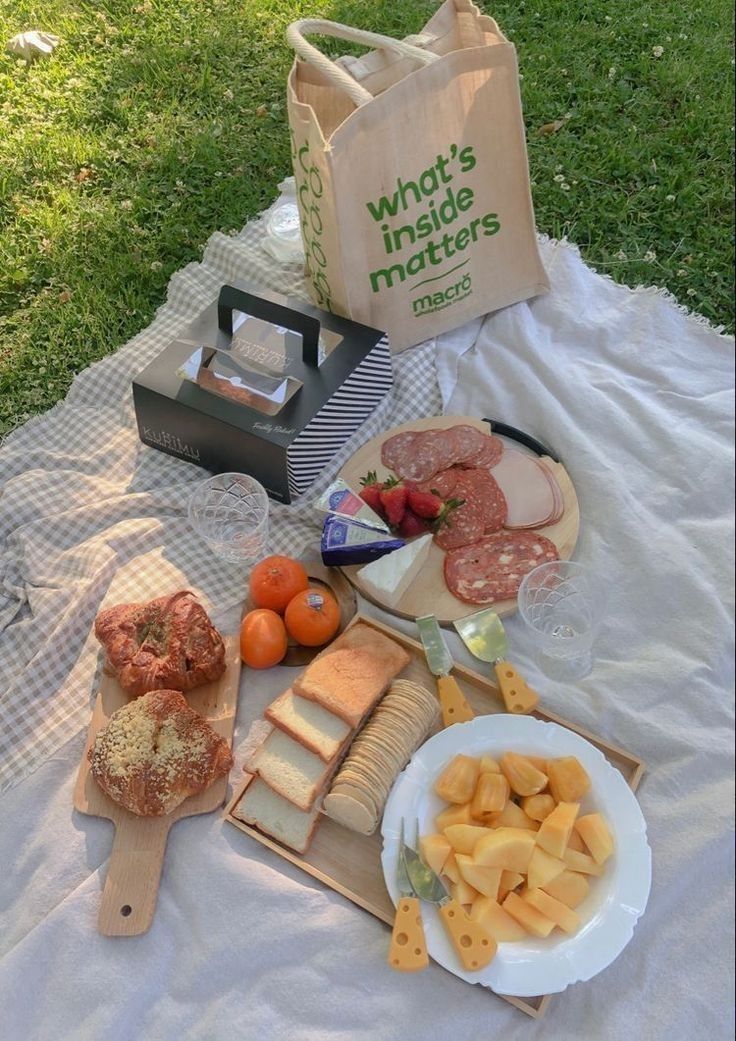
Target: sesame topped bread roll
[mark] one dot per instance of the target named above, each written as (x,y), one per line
(155,752)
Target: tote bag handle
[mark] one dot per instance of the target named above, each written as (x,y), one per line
(337,76)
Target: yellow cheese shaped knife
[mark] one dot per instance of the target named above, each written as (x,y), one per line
(455,708)
(408,950)
(484,636)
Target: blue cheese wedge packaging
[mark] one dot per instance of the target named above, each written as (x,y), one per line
(341,501)
(344,543)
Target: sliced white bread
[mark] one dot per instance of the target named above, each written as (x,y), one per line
(320,731)
(269,812)
(350,675)
(290,769)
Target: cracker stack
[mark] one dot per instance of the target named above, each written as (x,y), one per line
(313,724)
(378,754)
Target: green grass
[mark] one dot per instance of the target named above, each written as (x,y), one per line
(155,124)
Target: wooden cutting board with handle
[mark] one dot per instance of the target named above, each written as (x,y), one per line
(134,871)
(428,592)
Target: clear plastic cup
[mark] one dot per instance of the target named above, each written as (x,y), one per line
(230,513)
(562,604)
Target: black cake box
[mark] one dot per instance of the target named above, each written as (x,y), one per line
(265,385)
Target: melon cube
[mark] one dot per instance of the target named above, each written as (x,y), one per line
(450,868)
(497,923)
(568,779)
(512,816)
(453,815)
(557,912)
(463,837)
(594,832)
(554,831)
(463,892)
(509,881)
(570,888)
(491,795)
(533,920)
(508,848)
(543,868)
(581,862)
(484,879)
(537,807)
(435,850)
(489,766)
(457,781)
(576,843)
(523,776)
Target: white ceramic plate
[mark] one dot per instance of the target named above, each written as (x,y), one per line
(616,900)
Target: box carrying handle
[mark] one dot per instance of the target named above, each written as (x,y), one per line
(232,299)
(338,77)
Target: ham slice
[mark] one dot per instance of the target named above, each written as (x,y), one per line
(529,488)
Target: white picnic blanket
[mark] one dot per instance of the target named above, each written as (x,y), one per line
(637,399)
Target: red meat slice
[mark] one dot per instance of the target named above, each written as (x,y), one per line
(443,482)
(421,460)
(492,568)
(464,525)
(487,456)
(481,487)
(467,441)
(394,449)
(445,447)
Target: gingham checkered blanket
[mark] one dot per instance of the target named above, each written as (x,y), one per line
(90,516)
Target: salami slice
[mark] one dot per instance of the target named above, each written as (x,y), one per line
(467,441)
(488,456)
(394,449)
(480,486)
(421,459)
(492,568)
(443,482)
(464,525)
(445,447)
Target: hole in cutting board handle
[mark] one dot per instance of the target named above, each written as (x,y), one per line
(125,910)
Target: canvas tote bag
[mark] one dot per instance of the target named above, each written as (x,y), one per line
(412,176)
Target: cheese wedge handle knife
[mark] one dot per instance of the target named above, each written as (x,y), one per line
(473,945)
(455,708)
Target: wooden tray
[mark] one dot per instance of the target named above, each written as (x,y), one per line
(429,586)
(351,864)
(133,874)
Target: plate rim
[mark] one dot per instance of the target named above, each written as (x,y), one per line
(623,912)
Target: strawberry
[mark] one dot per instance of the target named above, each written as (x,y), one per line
(393,499)
(412,525)
(370,493)
(424,504)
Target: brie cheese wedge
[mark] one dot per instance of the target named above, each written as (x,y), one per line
(389,578)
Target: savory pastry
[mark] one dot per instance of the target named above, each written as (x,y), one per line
(156,751)
(169,642)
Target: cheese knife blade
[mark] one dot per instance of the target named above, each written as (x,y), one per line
(435,648)
(455,709)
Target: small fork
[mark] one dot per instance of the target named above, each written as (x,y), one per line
(408,950)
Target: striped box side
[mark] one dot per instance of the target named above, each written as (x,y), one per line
(349,407)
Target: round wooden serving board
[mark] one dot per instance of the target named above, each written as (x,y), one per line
(428,593)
